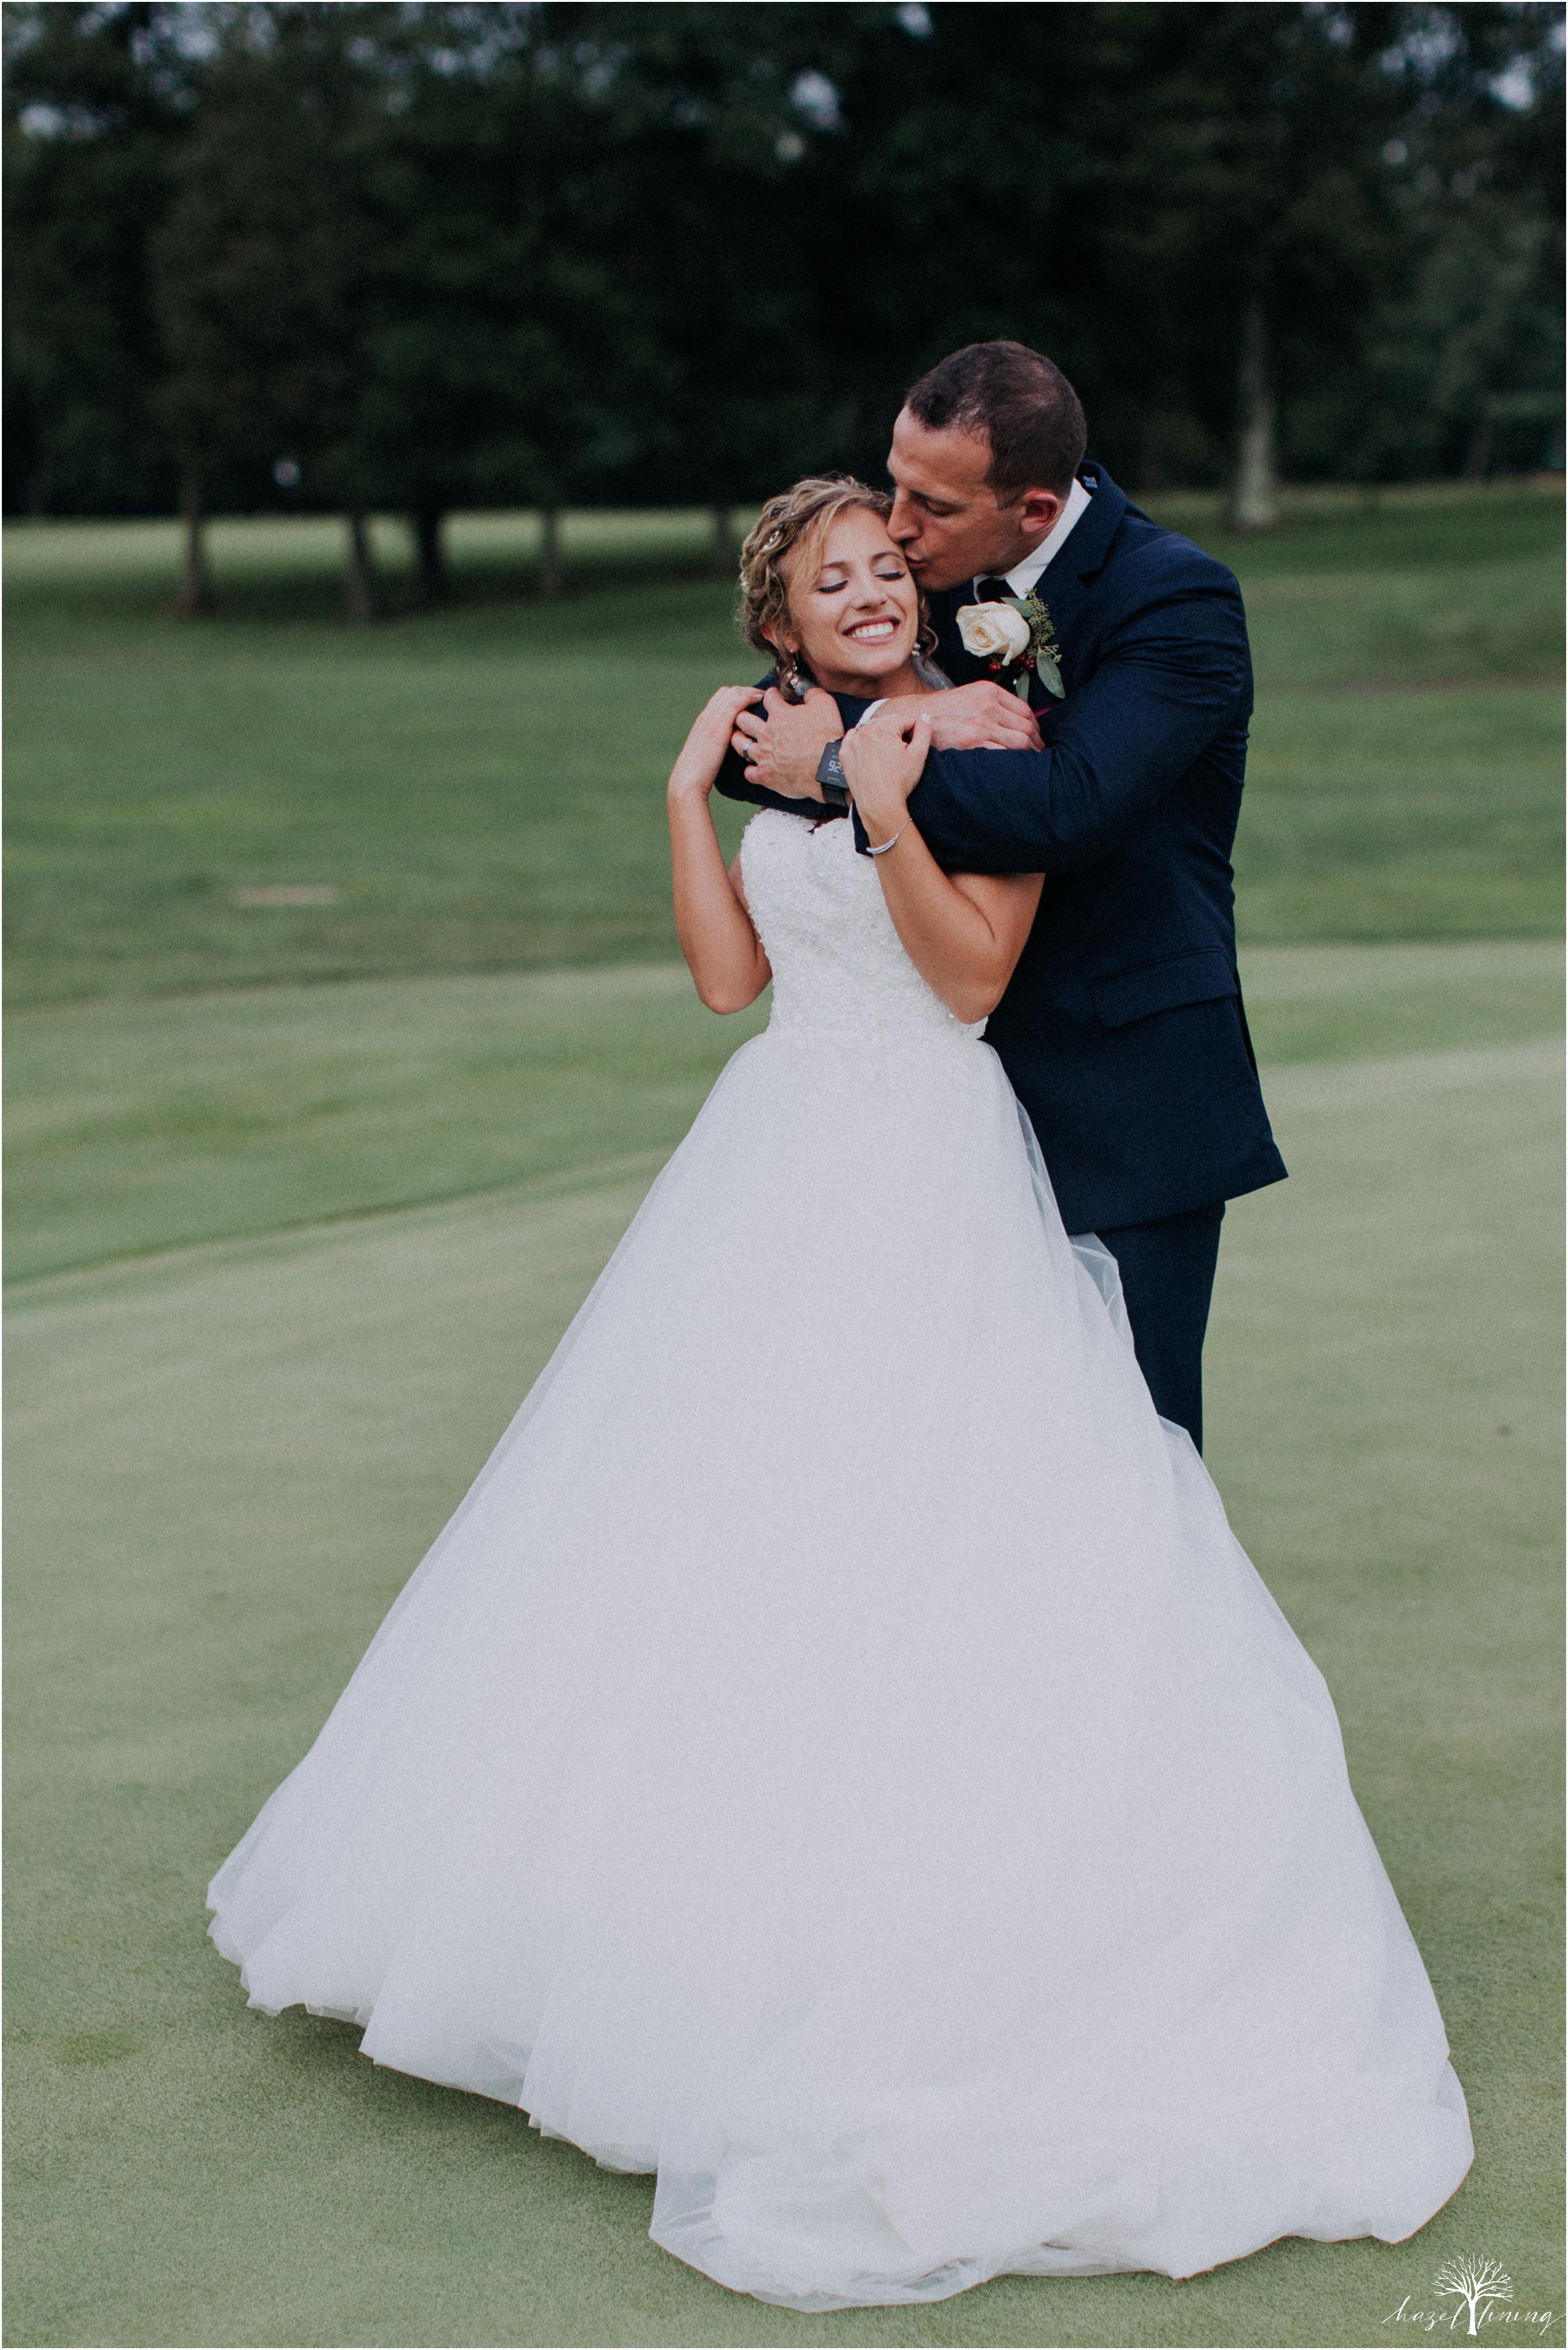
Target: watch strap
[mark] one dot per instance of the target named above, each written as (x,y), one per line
(830,775)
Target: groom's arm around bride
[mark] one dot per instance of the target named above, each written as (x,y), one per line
(1123,1030)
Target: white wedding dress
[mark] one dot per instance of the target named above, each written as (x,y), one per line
(839,1756)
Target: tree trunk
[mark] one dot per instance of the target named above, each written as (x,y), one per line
(550,553)
(359,577)
(429,553)
(38,490)
(195,581)
(726,551)
(1478,456)
(1255,496)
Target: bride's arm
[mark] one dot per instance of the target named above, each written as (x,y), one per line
(723,951)
(962,931)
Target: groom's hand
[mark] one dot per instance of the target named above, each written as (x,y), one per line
(977,717)
(781,752)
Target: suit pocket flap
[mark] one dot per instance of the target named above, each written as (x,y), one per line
(1197,978)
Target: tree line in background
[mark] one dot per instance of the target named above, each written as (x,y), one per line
(416,258)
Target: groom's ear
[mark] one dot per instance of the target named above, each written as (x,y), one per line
(1039,511)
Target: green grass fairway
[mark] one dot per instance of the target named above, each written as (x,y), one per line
(225,1460)
(1401,816)
(286,1254)
(482,788)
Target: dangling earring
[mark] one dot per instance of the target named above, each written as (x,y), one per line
(792,684)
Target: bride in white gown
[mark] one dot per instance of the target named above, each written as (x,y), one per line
(837,1756)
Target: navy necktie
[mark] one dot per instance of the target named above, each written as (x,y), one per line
(992,591)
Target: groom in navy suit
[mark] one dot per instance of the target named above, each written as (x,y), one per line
(1122,1030)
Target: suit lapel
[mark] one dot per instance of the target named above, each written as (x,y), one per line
(1065,589)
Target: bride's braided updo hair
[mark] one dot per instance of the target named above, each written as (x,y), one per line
(795,524)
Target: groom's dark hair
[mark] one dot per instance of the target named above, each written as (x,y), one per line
(1024,404)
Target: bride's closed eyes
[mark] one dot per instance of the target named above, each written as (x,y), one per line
(889,569)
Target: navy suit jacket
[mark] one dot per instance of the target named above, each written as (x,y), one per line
(1122,1029)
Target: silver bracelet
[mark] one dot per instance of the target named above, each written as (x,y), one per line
(887,845)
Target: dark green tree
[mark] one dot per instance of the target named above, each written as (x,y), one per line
(506,348)
(959,199)
(1466,370)
(96,105)
(261,265)
(1250,232)
(719,141)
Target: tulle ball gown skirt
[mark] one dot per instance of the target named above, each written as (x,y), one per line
(838,1757)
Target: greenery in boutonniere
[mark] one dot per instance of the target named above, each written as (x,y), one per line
(1043,656)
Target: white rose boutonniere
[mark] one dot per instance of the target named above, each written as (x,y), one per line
(1016,636)
(994,631)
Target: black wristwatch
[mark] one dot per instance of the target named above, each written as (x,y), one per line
(830,775)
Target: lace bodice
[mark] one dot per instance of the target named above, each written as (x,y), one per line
(839,967)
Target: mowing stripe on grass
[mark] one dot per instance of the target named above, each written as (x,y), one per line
(146,1126)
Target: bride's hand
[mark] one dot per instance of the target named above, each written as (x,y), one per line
(702,752)
(882,759)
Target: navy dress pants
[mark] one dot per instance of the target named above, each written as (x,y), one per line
(1168,1279)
